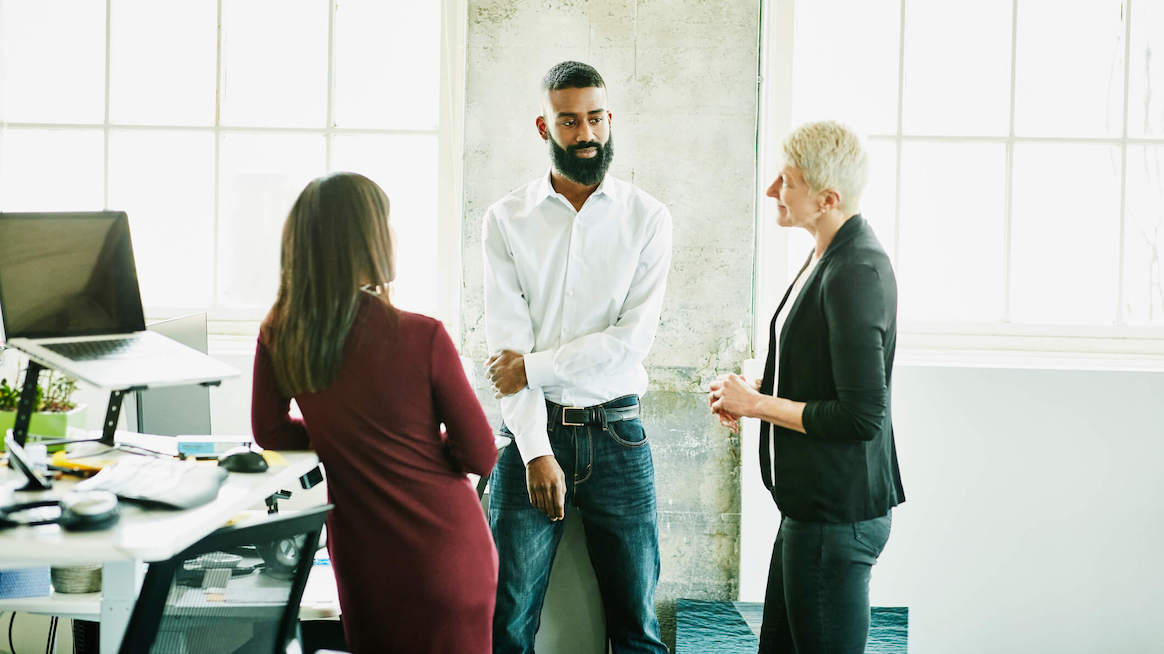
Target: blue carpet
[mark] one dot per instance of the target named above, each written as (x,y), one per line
(732,628)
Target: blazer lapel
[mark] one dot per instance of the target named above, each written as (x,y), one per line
(846,233)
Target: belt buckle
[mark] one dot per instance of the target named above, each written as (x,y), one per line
(572,424)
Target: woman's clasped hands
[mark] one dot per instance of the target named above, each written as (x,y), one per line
(732,397)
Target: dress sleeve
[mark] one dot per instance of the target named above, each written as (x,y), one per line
(470,438)
(856,310)
(271,421)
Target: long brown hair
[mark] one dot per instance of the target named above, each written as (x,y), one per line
(336,244)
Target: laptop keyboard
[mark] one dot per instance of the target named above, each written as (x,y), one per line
(159,481)
(90,350)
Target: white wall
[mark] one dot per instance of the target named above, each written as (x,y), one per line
(1033,520)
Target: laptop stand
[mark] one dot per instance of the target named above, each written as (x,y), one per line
(26,407)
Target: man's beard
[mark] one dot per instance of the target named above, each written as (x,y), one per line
(587,172)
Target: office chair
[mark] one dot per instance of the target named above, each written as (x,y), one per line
(236,590)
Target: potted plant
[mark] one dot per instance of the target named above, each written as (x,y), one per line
(54,411)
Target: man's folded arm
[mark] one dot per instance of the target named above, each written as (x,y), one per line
(508,326)
(629,338)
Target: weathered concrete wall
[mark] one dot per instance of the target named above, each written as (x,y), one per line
(681,78)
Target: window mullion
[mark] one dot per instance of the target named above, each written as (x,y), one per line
(216,246)
(1008,182)
(105,119)
(330,124)
(1124,162)
(898,136)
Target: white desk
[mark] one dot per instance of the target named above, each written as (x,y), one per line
(141,536)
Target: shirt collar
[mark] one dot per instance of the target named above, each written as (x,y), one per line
(546,188)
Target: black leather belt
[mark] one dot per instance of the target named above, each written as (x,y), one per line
(599,414)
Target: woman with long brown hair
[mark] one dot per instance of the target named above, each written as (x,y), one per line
(413,557)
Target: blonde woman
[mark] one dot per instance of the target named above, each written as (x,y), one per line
(827,453)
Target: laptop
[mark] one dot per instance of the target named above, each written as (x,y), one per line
(69,299)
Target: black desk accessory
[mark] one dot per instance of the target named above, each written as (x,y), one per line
(242,459)
(79,510)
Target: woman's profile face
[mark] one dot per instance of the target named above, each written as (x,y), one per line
(797,205)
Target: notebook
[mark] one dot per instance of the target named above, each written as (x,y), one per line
(69,299)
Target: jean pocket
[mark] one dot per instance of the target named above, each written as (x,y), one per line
(872,534)
(629,433)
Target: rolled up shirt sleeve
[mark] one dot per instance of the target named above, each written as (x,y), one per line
(508,326)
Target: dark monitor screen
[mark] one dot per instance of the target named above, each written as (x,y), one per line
(68,274)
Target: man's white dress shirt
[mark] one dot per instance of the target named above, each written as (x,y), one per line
(577,292)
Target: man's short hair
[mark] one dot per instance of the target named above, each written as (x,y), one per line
(572,75)
(831,155)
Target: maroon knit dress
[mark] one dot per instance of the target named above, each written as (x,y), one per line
(411,550)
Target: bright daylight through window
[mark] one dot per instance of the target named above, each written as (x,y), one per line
(1017,154)
(205,136)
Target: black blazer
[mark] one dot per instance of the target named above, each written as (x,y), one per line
(836,355)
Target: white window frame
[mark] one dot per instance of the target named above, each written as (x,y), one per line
(1002,344)
(233,328)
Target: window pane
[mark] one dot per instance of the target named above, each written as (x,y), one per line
(52,169)
(1070,69)
(387,64)
(165,182)
(952,208)
(1144,237)
(162,62)
(406,168)
(957,68)
(52,61)
(877,202)
(1146,86)
(845,63)
(260,177)
(1065,229)
(274,69)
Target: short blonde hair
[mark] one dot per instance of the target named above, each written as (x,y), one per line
(831,155)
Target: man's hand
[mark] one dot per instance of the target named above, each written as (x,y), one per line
(506,371)
(547,486)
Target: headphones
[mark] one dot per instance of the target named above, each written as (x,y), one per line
(79,511)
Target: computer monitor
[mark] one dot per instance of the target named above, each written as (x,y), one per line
(176,410)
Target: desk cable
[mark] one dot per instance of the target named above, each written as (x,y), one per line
(52,635)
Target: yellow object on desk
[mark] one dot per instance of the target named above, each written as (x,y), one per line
(274,459)
(91,463)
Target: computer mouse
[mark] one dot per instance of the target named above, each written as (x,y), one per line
(242,459)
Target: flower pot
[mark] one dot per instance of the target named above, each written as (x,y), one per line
(45,425)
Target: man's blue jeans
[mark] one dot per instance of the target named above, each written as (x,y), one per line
(610,479)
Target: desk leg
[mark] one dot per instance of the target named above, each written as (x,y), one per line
(120,583)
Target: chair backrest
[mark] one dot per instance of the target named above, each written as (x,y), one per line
(237,589)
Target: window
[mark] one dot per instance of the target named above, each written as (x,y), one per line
(204,120)
(1017,151)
